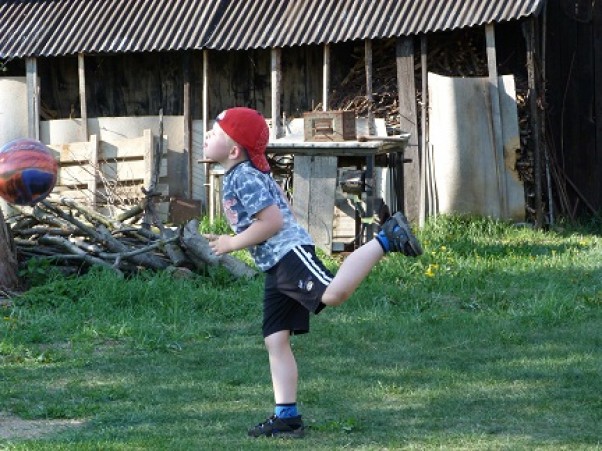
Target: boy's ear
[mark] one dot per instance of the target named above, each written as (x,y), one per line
(236,152)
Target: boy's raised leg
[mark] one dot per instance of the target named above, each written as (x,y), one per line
(395,236)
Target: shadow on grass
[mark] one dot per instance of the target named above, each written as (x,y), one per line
(505,381)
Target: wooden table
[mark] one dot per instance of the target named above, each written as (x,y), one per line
(315,176)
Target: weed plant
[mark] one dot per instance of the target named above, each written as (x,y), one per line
(491,340)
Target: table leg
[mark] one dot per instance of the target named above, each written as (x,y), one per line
(369,181)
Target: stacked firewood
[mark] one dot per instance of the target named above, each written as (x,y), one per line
(75,237)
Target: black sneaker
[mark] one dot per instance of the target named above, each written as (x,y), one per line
(279,427)
(400,236)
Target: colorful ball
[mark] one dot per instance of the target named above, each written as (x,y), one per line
(28,171)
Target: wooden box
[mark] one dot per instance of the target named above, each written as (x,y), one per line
(329,126)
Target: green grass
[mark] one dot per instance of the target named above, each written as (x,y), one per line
(491,340)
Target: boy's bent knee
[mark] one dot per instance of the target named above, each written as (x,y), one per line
(281,338)
(333,298)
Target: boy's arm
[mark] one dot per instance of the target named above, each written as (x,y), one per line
(266,224)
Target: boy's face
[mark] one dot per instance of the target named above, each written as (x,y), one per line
(217,145)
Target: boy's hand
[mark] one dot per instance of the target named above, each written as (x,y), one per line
(220,244)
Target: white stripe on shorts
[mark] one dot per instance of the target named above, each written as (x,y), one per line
(310,264)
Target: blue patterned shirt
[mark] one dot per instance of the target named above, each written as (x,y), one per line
(246,192)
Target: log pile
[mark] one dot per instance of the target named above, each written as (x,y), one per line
(75,238)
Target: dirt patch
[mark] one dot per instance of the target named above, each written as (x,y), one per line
(12,427)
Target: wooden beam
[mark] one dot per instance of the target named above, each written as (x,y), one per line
(369,88)
(325,77)
(276,130)
(498,140)
(205,113)
(409,193)
(422,160)
(83,104)
(369,178)
(205,98)
(596,196)
(187,121)
(95,169)
(33,98)
(529,32)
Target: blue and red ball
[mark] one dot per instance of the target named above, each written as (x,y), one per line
(28,171)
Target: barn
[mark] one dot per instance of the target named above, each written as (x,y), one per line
(448,73)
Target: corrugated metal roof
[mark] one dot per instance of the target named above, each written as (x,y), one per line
(63,27)
(321,21)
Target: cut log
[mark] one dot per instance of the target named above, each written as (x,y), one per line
(75,250)
(198,245)
(9,279)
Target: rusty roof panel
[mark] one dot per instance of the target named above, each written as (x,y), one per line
(64,27)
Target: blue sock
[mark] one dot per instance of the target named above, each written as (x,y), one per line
(383,241)
(286,410)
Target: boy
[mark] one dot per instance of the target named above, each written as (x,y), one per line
(297,282)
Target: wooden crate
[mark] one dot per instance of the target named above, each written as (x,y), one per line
(329,126)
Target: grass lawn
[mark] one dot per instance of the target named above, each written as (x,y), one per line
(491,340)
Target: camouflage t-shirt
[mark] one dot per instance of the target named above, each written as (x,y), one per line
(246,192)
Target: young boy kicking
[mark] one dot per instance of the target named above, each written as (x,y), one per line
(296,282)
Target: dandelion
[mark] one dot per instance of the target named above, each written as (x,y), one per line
(430,271)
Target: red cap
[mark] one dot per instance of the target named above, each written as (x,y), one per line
(248,128)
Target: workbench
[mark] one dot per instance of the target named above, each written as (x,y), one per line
(315,176)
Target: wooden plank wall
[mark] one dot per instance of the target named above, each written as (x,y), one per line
(574,98)
(314,197)
(97,173)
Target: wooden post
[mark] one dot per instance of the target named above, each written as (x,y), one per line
(205,100)
(33,98)
(424,132)
(529,32)
(81,71)
(369,179)
(205,108)
(277,128)
(95,168)
(496,115)
(596,196)
(409,193)
(9,279)
(325,77)
(150,161)
(187,121)
(369,89)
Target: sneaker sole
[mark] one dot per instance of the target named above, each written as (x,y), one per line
(283,435)
(402,222)
(294,434)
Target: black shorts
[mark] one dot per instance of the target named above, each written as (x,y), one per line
(294,288)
